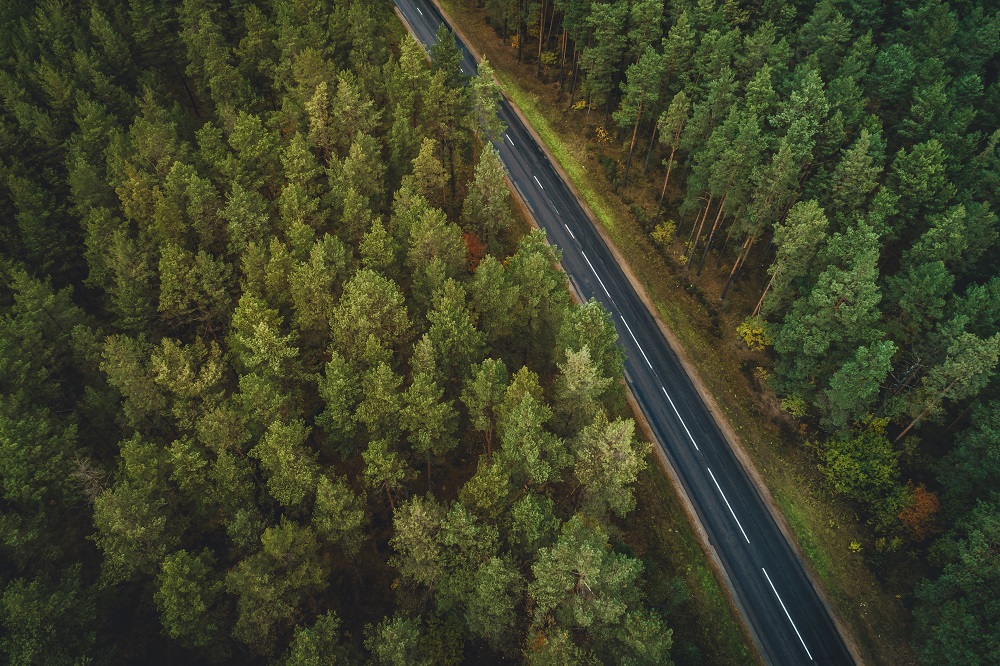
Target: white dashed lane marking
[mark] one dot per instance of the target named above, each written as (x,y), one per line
(786,613)
(633,338)
(719,488)
(680,419)
(595,274)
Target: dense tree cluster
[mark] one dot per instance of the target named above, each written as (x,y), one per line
(279,381)
(842,156)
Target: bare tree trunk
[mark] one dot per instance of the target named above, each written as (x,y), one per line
(739,260)
(631,148)
(729,235)
(649,152)
(743,263)
(666,180)
(694,225)
(700,227)
(552,20)
(541,39)
(756,310)
(711,234)
(930,405)
(958,418)
(562,63)
(194,104)
(912,423)
(520,26)
(572,79)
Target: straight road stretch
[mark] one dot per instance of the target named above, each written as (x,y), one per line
(772,589)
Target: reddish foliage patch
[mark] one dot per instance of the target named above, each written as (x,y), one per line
(475,249)
(921,516)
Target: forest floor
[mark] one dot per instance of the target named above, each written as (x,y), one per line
(824,526)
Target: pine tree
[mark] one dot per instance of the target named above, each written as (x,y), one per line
(640,91)
(487,207)
(604,56)
(671,125)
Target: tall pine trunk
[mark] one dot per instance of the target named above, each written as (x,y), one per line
(711,234)
(520,29)
(663,193)
(541,39)
(700,227)
(552,22)
(930,406)
(756,310)
(738,263)
(576,73)
(631,148)
(562,63)
(725,244)
(194,104)
(652,142)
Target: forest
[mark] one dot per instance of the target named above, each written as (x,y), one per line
(839,160)
(282,377)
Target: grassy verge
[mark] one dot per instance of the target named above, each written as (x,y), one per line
(824,527)
(678,574)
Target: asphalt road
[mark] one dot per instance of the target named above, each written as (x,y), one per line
(775,595)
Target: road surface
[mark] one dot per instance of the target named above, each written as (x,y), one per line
(775,595)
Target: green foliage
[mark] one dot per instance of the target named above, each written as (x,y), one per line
(798,239)
(317,645)
(290,470)
(854,387)
(48,621)
(960,603)
(430,420)
(371,311)
(578,390)
(384,469)
(397,641)
(270,585)
(188,588)
(863,468)
(446,57)
(134,523)
(271,209)
(482,395)
(582,585)
(754,333)
(970,471)
(604,56)
(663,234)
(608,460)
(485,101)
(487,207)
